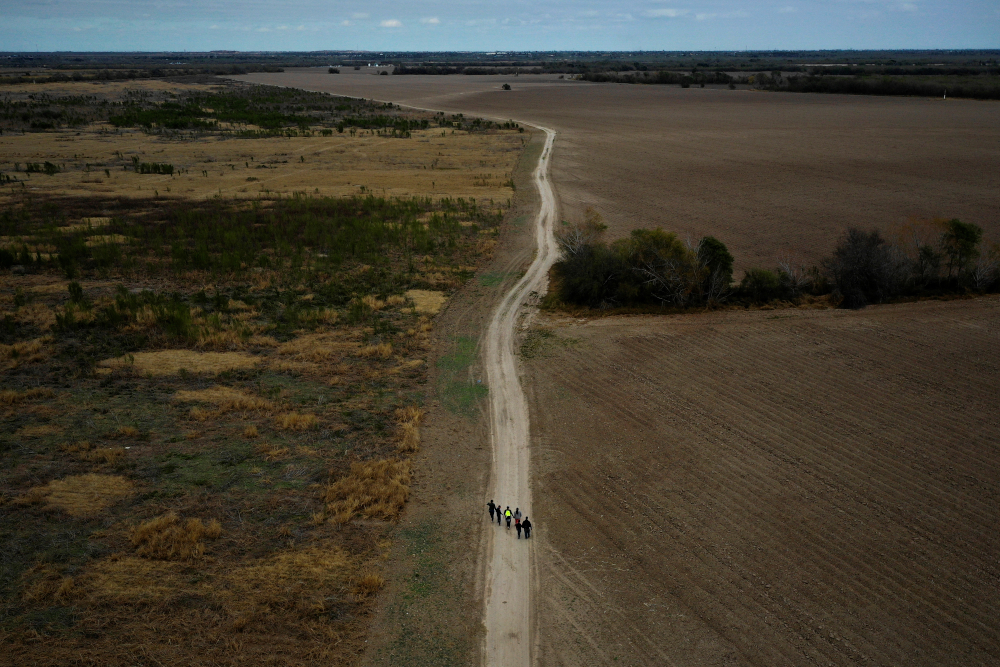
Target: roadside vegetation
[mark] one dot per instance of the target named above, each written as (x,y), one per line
(656,268)
(209,412)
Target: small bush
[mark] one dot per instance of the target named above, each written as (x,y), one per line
(865,268)
(760,285)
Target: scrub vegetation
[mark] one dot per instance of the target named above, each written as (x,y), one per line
(653,267)
(210,405)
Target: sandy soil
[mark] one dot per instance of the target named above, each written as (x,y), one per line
(772,175)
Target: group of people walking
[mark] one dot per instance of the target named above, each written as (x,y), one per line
(520,523)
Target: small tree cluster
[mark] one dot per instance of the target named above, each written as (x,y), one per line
(652,266)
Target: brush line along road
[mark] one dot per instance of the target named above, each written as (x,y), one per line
(508,591)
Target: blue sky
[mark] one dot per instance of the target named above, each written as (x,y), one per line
(480,25)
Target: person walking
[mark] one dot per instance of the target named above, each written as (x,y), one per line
(517,514)
(508,515)
(492,507)
(499,512)
(527,527)
(517,525)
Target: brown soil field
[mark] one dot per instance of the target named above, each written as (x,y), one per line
(789,487)
(772,175)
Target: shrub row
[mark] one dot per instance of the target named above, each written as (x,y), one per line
(656,267)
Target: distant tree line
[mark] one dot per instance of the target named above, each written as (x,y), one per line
(654,267)
(130,74)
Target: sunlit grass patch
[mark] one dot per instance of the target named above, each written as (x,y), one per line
(172,362)
(407,430)
(293,421)
(13,397)
(225,399)
(373,489)
(168,538)
(426,301)
(81,495)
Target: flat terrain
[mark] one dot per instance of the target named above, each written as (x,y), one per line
(773,487)
(768,488)
(772,175)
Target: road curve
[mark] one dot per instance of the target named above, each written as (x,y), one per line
(508,579)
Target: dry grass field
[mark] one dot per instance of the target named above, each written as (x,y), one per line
(213,381)
(97,160)
(781,487)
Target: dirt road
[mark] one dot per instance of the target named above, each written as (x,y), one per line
(508,593)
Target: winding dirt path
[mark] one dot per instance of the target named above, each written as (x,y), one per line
(509,587)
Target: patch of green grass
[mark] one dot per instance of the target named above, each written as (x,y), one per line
(459,393)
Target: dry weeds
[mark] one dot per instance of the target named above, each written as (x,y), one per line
(380,351)
(293,421)
(427,302)
(271,452)
(167,538)
(81,495)
(407,431)
(13,397)
(25,352)
(172,362)
(373,489)
(225,399)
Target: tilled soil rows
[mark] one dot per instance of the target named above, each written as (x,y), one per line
(771,488)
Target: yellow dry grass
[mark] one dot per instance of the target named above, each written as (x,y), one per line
(299,580)
(293,421)
(172,362)
(408,428)
(81,495)
(368,584)
(373,302)
(373,489)
(168,538)
(225,399)
(85,451)
(36,314)
(250,432)
(13,397)
(271,452)
(25,352)
(380,351)
(428,164)
(38,430)
(317,348)
(426,301)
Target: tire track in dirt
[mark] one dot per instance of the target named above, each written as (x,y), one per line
(509,615)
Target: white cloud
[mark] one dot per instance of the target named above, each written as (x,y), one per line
(722,15)
(907,6)
(433,20)
(787,9)
(391,23)
(345,22)
(359,15)
(665,13)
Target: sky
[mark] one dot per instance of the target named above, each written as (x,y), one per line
(487,25)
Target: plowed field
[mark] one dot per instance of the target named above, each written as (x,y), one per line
(769,488)
(773,175)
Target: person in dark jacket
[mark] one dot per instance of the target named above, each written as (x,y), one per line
(527,527)
(517,525)
(492,507)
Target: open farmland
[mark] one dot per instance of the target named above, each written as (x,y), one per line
(769,487)
(785,487)
(772,175)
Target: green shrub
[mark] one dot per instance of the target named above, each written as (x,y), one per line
(760,285)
